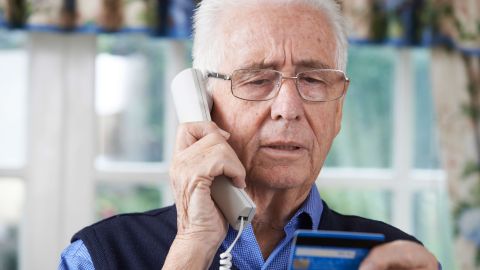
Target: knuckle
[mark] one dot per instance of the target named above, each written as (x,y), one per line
(212,125)
(215,136)
(223,147)
(213,170)
(182,128)
(221,152)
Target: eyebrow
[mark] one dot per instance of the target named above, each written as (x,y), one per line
(258,65)
(315,64)
(308,63)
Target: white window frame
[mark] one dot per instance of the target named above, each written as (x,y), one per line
(12,172)
(61,171)
(403,180)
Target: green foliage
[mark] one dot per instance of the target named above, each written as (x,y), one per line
(477,257)
(464,34)
(470,169)
(124,199)
(28,8)
(151,15)
(472,112)
(433,12)
(379,22)
(457,212)
(471,89)
(459,26)
(476,192)
(17,14)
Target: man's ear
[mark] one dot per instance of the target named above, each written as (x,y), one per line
(339,112)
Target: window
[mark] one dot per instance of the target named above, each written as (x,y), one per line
(130,72)
(365,140)
(132,106)
(13,69)
(103,144)
(13,111)
(384,163)
(100,134)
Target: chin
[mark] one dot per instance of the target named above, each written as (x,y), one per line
(279,179)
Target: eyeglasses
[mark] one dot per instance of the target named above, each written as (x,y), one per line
(318,85)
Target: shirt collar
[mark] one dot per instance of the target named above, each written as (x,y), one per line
(247,254)
(308,215)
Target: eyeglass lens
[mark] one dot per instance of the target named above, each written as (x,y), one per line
(313,85)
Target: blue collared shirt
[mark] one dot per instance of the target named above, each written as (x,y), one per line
(246,253)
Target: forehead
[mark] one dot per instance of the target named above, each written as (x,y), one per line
(277,35)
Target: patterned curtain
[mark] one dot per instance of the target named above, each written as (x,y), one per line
(456,79)
(457,122)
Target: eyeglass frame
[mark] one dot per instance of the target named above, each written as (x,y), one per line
(217,75)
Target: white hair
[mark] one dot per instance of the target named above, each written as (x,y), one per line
(209,48)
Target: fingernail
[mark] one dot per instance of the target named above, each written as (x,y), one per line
(243,184)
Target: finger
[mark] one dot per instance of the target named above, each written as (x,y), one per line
(399,254)
(215,157)
(229,165)
(207,158)
(189,133)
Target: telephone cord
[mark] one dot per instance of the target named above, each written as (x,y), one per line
(226,257)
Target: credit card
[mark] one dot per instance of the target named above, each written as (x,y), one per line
(331,250)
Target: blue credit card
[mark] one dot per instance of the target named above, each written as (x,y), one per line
(331,250)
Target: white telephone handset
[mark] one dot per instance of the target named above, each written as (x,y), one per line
(193,103)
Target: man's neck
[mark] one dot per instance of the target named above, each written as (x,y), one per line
(274,210)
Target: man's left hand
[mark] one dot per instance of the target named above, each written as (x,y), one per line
(400,255)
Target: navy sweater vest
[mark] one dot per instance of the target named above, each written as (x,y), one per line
(142,240)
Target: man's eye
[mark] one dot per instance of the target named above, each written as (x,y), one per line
(312,80)
(259,82)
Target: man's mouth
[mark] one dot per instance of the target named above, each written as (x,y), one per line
(283,150)
(284,147)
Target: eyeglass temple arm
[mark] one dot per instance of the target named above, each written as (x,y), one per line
(218,76)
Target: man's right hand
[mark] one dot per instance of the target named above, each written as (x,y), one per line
(201,153)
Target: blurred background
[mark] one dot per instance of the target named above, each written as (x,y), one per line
(87,125)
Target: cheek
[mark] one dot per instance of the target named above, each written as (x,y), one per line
(224,111)
(244,130)
(242,121)
(324,127)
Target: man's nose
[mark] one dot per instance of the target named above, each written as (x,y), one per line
(288,104)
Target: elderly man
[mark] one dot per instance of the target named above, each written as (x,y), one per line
(278,93)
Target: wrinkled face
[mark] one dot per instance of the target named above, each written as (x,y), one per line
(284,141)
